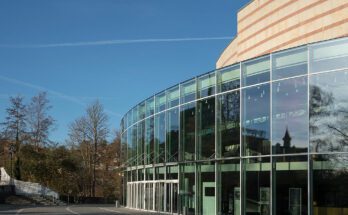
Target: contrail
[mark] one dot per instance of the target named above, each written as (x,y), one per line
(111,42)
(52,92)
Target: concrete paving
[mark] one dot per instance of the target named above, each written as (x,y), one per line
(69,210)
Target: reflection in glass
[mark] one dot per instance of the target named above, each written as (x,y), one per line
(173,97)
(329,112)
(257,189)
(141,143)
(330,184)
(187,135)
(142,111)
(129,147)
(329,55)
(124,148)
(150,106)
(149,174)
(160,101)
(160,137)
(172,172)
(228,187)
(149,140)
(228,125)
(134,144)
(188,91)
(172,135)
(290,187)
(206,188)
(135,114)
(206,128)
(229,78)
(130,118)
(255,71)
(290,116)
(206,85)
(255,120)
(187,189)
(160,173)
(289,63)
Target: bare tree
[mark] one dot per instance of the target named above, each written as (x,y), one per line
(97,127)
(79,139)
(15,128)
(89,132)
(39,121)
(15,123)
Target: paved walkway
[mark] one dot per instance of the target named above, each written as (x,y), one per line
(68,210)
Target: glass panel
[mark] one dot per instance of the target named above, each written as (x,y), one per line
(289,63)
(172,172)
(206,128)
(257,191)
(129,147)
(159,202)
(134,144)
(141,174)
(150,106)
(228,125)
(188,126)
(255,71)
(135,114)
(328,112)
(229,78)
(255,120)
(124,148)
(290,187)
(141,143)
(329,55)
(173,97)
(160,101)
(149,140)
(160,137)
(149,174)
(130,118)
(228,187)
(160,173)
(187,189)
(188,91)
(206,188)
(173,135)
(206,85)
(330,184)
(290,116)
(142,111)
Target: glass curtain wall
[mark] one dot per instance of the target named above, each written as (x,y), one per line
(281,146)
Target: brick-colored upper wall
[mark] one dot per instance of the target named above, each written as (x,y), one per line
(266,26)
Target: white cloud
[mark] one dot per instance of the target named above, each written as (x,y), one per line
(111,42)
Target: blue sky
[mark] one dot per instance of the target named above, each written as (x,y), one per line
(117,51)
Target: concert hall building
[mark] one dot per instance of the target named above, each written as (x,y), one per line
(265,133)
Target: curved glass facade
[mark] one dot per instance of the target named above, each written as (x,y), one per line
(265,136)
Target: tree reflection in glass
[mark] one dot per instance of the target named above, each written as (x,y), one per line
(329,112)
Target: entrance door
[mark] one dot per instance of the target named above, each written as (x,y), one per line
(208,202)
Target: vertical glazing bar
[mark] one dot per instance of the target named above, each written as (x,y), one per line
(309,167)
(241,199)
(216,143)
(271,133)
